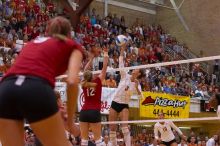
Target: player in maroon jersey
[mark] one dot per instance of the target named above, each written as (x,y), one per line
(90,116)
(26,91)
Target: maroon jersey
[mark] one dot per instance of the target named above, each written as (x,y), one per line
(93,96)
(45,58)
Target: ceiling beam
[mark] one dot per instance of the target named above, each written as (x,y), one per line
(176,9)
(129,6)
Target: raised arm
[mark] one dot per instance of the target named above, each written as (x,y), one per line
(136,86)
(175,128)
(178,130)
(104,68)
(72,85)
(121,61)
(89,63)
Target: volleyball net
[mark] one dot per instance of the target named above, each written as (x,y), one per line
(180,89)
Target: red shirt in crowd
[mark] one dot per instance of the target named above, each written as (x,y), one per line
(93,96)
(39,18)
(36,8)
(17,2)
(87,40)
(27,30)
(45,58)
(22,5)
(45,17)
(50,7)
(35,33)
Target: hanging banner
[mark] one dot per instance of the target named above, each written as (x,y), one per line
(106,100)
(172,106)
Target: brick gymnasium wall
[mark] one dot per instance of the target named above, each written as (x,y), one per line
(202,17)
(130,15)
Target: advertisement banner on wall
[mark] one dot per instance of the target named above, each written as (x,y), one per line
(106,100)
(172,106)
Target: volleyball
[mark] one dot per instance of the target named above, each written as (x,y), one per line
(120,40)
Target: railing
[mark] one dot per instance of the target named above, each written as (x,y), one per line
(173,54)
(186,54)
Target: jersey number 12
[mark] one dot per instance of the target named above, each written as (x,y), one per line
(90,92)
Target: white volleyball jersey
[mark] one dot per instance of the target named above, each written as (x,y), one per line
(166,131)
(126,88)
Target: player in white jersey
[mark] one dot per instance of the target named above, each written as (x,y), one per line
(167,137)
(218,103)
(214,101)
(127,87)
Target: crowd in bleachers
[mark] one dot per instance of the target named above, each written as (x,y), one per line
(21,21)
(144,137)
(147,44)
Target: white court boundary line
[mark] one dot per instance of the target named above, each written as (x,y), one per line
(163,120)
(202,59)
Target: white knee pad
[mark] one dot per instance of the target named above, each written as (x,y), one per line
(125,131)
(84,142)
(98,142)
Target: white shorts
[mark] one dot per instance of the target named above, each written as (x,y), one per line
(218,111)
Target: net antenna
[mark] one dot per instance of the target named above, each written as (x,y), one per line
(173,6)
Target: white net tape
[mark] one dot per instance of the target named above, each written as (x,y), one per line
(202,59)
(163,120)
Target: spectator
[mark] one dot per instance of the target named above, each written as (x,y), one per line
(182,143)
(154,142)
(212,141)
(106,141)
(192,141)
(203,143)
(216,66)
(199,92)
